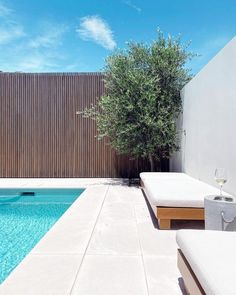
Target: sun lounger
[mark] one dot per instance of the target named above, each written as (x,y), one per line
(175,196)
(206,260)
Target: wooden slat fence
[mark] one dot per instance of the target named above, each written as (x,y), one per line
(41,135)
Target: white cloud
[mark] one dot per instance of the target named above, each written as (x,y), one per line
(51,36)
(35,62)
(26,53)
(4,10)
(41,52)
(30,61)
(10,29)
(9,32)
(94,28)
(133,6)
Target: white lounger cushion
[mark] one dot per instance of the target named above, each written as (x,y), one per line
(162,175)
(212,257)
(175,189)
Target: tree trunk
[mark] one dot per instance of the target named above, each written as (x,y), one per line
(152,164)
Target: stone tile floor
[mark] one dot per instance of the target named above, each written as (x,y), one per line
(108,242)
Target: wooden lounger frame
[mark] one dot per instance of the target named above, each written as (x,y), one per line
(191,282)
(166,214)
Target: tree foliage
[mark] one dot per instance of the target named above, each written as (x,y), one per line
(142,102)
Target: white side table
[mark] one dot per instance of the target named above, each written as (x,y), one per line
(220,213)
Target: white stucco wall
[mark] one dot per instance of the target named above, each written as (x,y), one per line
(209,118)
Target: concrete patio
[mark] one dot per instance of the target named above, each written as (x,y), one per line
(106,243)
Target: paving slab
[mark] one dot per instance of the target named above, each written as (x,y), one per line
(106,275)
(115,239)
(43,275)
(162,275)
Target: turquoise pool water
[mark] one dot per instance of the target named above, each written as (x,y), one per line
(25,219)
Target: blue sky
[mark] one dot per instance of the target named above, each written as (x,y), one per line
(77,35)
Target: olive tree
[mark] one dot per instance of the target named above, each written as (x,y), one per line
(142,102)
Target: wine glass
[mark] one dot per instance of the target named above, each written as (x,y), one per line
(221,177)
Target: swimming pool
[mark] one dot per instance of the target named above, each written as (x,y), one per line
(26,215)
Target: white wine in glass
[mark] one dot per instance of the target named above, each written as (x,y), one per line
(221,177)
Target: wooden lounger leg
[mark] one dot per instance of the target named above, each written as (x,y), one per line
(164,223)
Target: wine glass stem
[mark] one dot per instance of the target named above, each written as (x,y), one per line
(221,190)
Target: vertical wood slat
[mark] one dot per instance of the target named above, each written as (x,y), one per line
(41,135)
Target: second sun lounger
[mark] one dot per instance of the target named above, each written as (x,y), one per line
(175,196)
(206,260)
